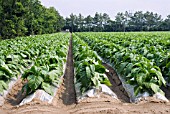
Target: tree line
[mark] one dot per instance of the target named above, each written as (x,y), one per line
(138,21)
(30,17)
(27,17)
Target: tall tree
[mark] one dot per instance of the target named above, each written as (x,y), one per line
(98,22)
(73,21)
(137,21)
(120,21)
(12,19)
(167,21)
(80,21)
(107,23)
(127,21)
(25,17)
(88,23)
(152,20)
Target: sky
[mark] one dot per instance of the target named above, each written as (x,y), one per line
(111,7)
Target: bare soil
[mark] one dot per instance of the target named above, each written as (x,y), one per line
(65,99)
(15,95)
(166,91)
(120,108)
(117,86)
(93,107)
(68,95)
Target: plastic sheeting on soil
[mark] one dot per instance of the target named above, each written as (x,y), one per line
(39,94)
(130,88)
(5,92)
(42,95)
(130,91)
(11,83)
(94,92)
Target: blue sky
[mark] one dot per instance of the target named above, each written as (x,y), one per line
(111,7)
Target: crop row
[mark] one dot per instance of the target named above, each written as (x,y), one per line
(153,46)
(89,71)
(136,69)
(38,59)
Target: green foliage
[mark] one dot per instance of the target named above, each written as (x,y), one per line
(127,56)
(39,59)
(88,68)
(20,18)
(3,86)
(127,21)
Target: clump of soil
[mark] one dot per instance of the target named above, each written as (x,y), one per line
(15,95)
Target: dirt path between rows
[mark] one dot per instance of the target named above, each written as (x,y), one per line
(167,91)
(68,95)
(117,86)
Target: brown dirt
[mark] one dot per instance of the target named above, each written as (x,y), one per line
(167,91)
(120,108)
(116,87)
(68,95)
(65,100)
(15,96)
(38,107)
(99,99)
(93,107)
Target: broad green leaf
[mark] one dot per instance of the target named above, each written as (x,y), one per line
(34,81)
(3,86)
(128,69)
(95,80)
(122,66)
(34,69)
(47,88)
(106,82)
(53,74)
(6,70)
(159,75)
(1,73)
(92,68)
(156,89)
(137,90)
(60,53)
(139,78)
(100,68)
(131,82)
(88,72)
(168,65)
